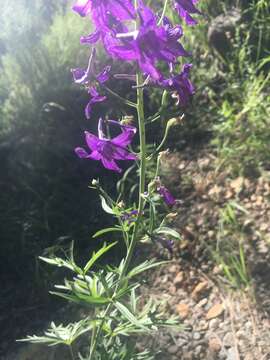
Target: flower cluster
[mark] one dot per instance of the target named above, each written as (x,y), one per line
(130,31)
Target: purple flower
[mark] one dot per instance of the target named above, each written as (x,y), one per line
(130,216)
(95,98)
(89,78)
(82,7)
(185,8)
(100,10)
(149,44)
(107,33)
(163,241)
(108,150)
(166,195)
(180,84)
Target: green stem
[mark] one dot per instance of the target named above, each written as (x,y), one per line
(71,352)
(163,12)
(134,240)
(119,97)
(141,121)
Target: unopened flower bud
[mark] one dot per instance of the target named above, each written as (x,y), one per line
(171,216)
(151,186)
(163,155)
(175,121)
(95,182)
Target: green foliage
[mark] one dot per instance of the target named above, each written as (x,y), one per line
(61,334)
(24,89)
(230,253)
(41,116)
(114,305)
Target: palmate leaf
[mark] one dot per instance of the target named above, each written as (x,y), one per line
(96,256)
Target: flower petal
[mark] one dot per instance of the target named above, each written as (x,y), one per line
(120,153)
(82,7)
(92,141)
(110,165)
(125,138)
(104,76)
(82,154)
(95,155)
(91,38)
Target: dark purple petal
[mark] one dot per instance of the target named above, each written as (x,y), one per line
(96,98)
(110,165)
(185,8)
(81,153)
(104,76)
(95,155)
(125,138)
(180,84)
(123,154)
(104,12)
(91,38)
(175,32)
(92,140)
(166,195)
(82,7)
(79,75)
(188,6)
(88,110)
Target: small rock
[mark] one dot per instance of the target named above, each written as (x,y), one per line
(249,356)
(196,336)
(183,310)
(200,288)
(202,302)
(181,342)
(172,290)
(172,349)
(231,354)
(187,356)
(217,270)
(214,345)
(228,340)
(213,324)
(203,325)
(215,311)
(237,184)
(173,269)
(198,350)
(178,279)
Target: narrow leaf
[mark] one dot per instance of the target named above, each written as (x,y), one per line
(105,206)
(96,256)
(105,231)
(128,315)
(168,231)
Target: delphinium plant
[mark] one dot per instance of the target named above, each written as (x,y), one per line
(149,43)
